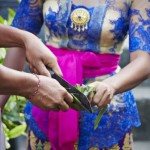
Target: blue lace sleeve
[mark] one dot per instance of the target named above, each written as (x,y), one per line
(139,30)
(29,16)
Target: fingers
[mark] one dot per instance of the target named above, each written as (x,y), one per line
(103,96)
(64,106)
(33,70)
(105,100)
(65,100)
(55,67)
(98,96)
(68,98)
(41,68)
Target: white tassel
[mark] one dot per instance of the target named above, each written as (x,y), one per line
(79,29)
(75,27)
(72,25)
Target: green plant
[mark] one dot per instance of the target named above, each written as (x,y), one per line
(88,90)
(12,118)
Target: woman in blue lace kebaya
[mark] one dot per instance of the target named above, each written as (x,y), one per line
(88,35)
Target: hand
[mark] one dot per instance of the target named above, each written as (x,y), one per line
(39,56)
(51,95)
(103,95)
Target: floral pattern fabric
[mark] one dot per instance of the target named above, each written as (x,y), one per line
(110,22)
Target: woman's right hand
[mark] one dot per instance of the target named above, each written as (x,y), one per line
(51,95)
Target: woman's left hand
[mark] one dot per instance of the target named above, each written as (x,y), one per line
(103,95)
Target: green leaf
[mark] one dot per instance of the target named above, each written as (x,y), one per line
(11,15)
(6,130)
(2,53)
(17,131)
(10,125)
(7,145)
(2,20)
(98,118)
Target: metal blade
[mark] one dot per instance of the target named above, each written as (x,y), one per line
(82,98)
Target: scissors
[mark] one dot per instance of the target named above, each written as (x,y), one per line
(84,102)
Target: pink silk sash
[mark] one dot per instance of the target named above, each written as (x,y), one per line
(62,128)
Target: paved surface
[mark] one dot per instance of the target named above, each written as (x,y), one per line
(142,92)
(142,145)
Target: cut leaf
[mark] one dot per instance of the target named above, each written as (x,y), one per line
(17,131)
(98,118)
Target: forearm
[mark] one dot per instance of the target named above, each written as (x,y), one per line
(10,37)
(13,37)
(131,76)
(16,83)
(15,58)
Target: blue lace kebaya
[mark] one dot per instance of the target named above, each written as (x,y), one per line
(109,24)
(139,32)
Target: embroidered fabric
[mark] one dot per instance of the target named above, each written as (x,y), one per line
(32,124)
(57,24)
(117,120)
(114,18)
(121,115)
(29,16)
(139,32)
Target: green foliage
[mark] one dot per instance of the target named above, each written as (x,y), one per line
(98,118)
(12,118)
(2,54)
(88,90)
(11,15)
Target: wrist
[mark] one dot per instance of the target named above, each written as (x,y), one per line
(37,88)
(30,87)
(17,83)
(112,85)
(26,38)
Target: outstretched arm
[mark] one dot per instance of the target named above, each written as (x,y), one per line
(50,94)
(54,95)
(37,54)
(139,67)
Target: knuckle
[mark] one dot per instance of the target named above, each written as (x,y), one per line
(55,59)
(95,101)
(108,93)
(105,89)
(99,105)
(43,72)
(64,92)
(111,97)
(57,102)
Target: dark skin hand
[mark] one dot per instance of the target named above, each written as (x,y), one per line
(51,95)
